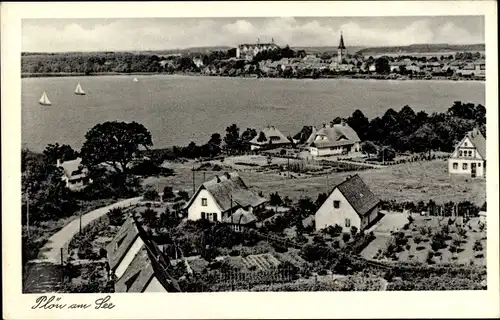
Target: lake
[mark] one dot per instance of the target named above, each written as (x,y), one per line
(180,109)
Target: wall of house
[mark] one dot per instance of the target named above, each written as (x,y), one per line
(327,215)
(319,152)
(129,256)
(369,217)
(468,171)
(155,286)
(196,208)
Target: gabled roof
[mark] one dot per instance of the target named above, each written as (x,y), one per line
(72,170)
(336,135)
(478,140)
(229,191)
(358,195)
(241,216)
(121,243)
(270,132)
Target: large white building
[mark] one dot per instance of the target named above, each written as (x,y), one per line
(331,140)
(469,157)
(350,204)
(249,51)
(219,198)
(74,174)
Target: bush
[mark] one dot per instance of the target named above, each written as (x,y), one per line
(478,246)
(116,217)
(168,193)
(234,253)
(346,237)
(151,195)
(354,230)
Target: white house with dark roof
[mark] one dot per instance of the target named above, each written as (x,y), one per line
(272,137)
(350,204)
(74,174)
(469,157)
(331,140)
(220,197)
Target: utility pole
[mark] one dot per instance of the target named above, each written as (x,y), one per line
(204,176)
(27,213)
(193,180)
(80,222)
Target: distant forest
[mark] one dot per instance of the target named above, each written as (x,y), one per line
(423,48)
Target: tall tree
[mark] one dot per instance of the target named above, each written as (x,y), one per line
(359,123)
(114,143)
(54,152)
(382,65)
(248,134)
(232,138)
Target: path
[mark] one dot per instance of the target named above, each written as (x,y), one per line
(44,274)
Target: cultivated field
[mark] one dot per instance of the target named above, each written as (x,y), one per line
(404,182)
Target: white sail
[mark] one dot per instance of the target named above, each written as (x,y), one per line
(136,80)
(45,100)
(79,90)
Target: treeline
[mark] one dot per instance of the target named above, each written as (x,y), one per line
(407,130)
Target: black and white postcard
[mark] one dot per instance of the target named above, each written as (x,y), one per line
(250,159)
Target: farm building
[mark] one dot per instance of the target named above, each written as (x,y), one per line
(269,137)
(135,262)
(469,157)
(333,140)
(241,219)
(217,199)
(75,175)
(350,204)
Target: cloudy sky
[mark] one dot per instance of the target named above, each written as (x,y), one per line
(55,35)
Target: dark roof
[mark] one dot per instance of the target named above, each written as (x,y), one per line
(149,262)
(478,141)
(241,216)
(121,243)
(229,191)
(358,195)
(341,43)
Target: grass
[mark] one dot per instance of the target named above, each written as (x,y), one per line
(404,182)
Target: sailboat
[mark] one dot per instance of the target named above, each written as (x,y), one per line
(44,100)
(79,90)
(136,80)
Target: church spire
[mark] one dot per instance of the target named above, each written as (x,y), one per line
(341,44)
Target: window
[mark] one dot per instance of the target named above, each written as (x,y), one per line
(204,202)
(479,164)
(455,166)
(461,153)
(464,166)
(336,204)
(470,153)
(347,222)
(465,144)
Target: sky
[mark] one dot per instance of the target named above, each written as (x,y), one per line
(60,35)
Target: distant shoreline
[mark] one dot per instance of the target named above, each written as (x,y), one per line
(343,77)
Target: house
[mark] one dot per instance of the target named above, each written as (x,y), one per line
(350,204)
(477,68)
(469,157)
(249,51)
(74,174)
(217,199)
(241,219)
(335,139)
(136,263)
(269,137)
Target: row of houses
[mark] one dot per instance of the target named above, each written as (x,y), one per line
(227,199)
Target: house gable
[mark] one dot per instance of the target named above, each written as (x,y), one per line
(466,145)
(344,216)
(197,206)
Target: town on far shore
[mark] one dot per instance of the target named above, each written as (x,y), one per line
(392,203)
(271,60)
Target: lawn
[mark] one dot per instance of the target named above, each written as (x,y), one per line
(404,182)
(418,238)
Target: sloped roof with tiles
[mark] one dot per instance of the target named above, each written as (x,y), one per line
(272,135)
(121,243)
(241,216)
(229,191)
(358,195)
(72,169)
(478,141)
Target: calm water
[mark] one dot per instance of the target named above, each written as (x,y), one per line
(178,109)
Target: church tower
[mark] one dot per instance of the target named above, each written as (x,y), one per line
(341,49)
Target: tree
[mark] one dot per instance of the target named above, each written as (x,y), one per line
(320,200)
(232,138)
(275,199)
(54,152)
(114,143)
(150,218)
(359,123)
(369,148)
(382,65)
(262,137)
(215,139)
(248,134)
(168,193)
